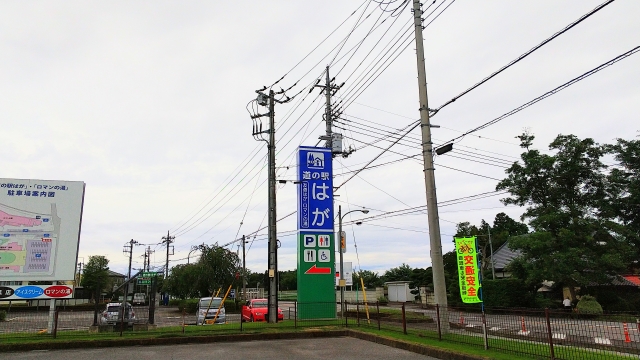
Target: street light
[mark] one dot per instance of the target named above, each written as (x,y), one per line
(193,248)
(342,282)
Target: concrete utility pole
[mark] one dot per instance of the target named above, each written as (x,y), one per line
(128,248)
(329,120)
(273,242)
(258,134)
(147,264)
(244,269)
(167,240)
(437,264)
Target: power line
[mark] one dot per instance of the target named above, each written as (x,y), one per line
(551,92)
(519,58)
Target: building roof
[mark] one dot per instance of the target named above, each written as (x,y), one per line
(115,274)
(634,279)
(503,256)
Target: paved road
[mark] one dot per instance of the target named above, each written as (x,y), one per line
(308,349)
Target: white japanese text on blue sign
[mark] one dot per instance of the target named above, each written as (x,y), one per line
(315,203)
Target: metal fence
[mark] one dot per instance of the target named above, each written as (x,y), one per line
(534,332)
(539,333)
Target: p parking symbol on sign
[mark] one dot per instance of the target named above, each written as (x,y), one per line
(309,241)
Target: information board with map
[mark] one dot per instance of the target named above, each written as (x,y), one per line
(39,229)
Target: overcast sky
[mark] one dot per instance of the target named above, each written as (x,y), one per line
(145,101)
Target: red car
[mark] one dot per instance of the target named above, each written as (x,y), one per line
(256,310)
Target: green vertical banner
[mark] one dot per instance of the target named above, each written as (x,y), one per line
(468,271)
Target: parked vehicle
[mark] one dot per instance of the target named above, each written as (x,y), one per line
(208,317)
(111,315)
(139,299)
(256,310)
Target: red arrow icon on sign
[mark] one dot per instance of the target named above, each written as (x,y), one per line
(317,270)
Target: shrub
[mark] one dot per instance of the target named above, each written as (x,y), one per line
(507,293)
(588,305)
(3,315)
(383,300)
(229,306)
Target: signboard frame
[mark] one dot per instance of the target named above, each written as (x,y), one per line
(316,236)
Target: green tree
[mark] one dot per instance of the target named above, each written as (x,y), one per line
(400,273)
(504,227)
(180,282)
(371,279)
(572,244)
(95,279)
(289,280)
(623,191)
(217,268)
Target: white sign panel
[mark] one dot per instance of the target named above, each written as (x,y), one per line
(348,273)
(39,229)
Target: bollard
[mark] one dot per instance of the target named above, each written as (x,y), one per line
(627,338)
(183,314)
(524,328)
(358,313)
(378,309)
(461,319)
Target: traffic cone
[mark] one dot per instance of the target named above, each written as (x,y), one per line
(627,338)
(461,318)
(524,328)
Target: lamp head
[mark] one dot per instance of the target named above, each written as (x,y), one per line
(365,211)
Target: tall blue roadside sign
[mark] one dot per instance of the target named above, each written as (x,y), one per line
(316,242)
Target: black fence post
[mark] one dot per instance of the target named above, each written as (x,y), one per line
(346,318)
(438,322)
(295,314)
(404,321)
(378,310)
(55,323)
(358,313)
(546,315)
(152,301)
(122,310)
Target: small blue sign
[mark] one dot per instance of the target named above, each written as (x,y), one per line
(45,220)
(28,292)
(25,230)
(315,191)
(38,255)
(46,235)
(6,235)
